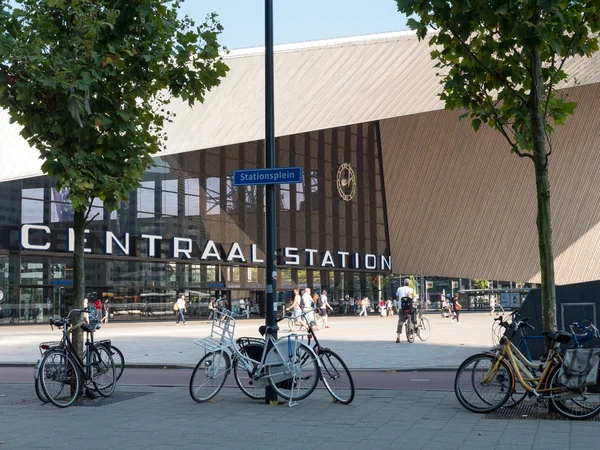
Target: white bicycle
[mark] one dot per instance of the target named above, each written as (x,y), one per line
(289,365)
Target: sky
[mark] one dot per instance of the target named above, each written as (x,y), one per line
(297,21)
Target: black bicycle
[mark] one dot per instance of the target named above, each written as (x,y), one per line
(334,372)
(61,371)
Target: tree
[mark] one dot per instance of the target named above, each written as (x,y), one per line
(90,82)
(501,61)
(481,284)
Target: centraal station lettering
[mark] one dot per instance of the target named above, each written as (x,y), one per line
(37,237)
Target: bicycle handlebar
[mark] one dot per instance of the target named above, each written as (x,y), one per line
(67,320)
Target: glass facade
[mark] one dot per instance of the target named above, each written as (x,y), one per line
(160,238)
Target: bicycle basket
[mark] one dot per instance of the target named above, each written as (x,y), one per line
(223,326)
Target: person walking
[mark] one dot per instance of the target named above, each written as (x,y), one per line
(306,304)
(352,307)
(382,308)
(106,307)
(363,307)
(98,306)
(180,304)
(212,307)
(324,306)
(295,307)
(456,307)
(404,292)
(389,306)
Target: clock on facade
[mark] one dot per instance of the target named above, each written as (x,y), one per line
(346,182)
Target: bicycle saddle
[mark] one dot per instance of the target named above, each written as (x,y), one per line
(562,337)
(90,328)
(57,323)
(265,329)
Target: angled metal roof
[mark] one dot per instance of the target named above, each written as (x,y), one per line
(318,85)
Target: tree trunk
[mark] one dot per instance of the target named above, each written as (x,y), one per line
(544,225)
(78,281)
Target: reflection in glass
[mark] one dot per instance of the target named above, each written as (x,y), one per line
(145,200)
(300,196)
(284,195)
(169,198)
(213,196)
(32,211)
(192,197)
(232,196)
(251,198)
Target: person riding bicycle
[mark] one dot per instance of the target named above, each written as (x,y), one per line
(404,292)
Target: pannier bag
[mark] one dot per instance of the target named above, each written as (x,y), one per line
(580,368)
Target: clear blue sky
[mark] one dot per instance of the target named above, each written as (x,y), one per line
(299,20)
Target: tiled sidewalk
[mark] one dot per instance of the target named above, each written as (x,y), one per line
(159,417)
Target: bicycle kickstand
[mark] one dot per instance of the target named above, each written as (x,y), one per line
(292,403)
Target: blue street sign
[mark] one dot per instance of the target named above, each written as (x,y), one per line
(277,175)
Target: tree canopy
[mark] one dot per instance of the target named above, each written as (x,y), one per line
(501,62)
(90,82)
(488,53)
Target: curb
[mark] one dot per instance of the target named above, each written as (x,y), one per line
(185,366)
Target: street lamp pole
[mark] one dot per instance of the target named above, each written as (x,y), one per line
(271,205)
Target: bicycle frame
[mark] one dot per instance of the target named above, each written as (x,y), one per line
(519,364)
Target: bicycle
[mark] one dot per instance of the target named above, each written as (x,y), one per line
(333,370)
(294,324)
(586,332)
(408,310)
(61,369)
(287,364)
(484,382)
(423,329)
(334,373)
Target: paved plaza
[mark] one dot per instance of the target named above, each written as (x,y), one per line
(146,413)
(363,342)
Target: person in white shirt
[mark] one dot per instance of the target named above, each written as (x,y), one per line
(307,307)
(324,305)
(181,309)
(363,307)
(404,291)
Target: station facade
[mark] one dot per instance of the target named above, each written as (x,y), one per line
(393,184)
(187,227)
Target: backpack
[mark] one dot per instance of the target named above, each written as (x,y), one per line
(319,302)
(406,304)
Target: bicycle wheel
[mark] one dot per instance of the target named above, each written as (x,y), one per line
(410,332)
(295,324)
(336,377)
(320,322)
(255,389)
(102,371)
(209,376)
(424,329)
(39,391)
(483,383)
(293,369)
(572,404)
(118,359)
(59,378)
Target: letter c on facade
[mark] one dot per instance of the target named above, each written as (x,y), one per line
(25,237)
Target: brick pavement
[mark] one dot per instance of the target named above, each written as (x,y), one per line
(163,418)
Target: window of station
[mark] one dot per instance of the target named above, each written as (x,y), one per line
(145,200)
(213,196)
